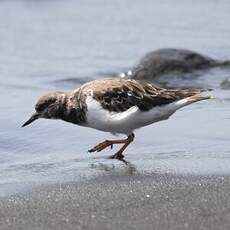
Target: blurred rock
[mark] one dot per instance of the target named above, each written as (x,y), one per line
(172,61)
(225,84)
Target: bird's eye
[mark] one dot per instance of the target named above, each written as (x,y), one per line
(40,107)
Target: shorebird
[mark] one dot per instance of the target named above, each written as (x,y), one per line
(118,105)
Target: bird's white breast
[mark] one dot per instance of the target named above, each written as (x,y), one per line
(124,122)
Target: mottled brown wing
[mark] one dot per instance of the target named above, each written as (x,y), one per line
(120,95)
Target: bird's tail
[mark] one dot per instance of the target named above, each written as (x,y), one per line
(191,99)
(197,97)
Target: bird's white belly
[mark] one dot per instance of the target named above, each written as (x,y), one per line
(123,122)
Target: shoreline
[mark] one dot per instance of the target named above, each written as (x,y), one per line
(116,201)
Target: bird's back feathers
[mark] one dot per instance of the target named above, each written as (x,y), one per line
(118,95)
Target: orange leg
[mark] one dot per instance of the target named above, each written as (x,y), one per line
(119,155)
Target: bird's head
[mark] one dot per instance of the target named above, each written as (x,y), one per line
(49,106)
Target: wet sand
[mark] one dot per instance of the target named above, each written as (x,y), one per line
(123,201)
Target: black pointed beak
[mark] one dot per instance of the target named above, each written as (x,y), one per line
(34,117)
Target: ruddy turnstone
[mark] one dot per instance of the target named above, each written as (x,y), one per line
(116,106)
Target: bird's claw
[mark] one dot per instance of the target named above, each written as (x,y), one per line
(119,157)
(92,150)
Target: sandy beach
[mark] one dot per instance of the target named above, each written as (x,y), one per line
(135,201)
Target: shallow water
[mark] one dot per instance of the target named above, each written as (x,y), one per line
(58,45)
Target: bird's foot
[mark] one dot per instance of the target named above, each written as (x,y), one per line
(119,156)
(101,146)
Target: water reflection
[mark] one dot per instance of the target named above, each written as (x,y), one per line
(127,167)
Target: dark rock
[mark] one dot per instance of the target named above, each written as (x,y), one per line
(172,61)
(225,84)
